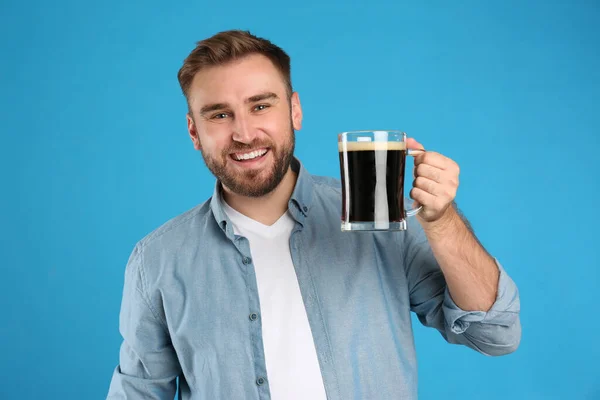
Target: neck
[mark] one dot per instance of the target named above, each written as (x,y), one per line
(266,209)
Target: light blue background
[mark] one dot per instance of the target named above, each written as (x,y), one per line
(95,154)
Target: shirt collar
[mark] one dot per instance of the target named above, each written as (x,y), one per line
(299,204)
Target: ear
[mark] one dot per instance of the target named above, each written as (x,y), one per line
(193,131)
(296,111)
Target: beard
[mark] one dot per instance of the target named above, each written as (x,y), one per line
(252,183)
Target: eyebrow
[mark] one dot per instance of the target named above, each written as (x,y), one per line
(252,99)
(261,97)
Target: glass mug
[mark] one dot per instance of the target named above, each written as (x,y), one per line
(372,168)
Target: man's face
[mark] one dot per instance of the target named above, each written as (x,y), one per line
(243,123)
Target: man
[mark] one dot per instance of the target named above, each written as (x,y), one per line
(257,294)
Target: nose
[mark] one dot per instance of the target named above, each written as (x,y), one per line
(243,131)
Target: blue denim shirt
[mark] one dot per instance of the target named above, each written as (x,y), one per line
(191,310)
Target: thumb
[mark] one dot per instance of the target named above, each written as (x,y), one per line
(413,144)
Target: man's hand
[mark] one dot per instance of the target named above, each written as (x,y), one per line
(435,184)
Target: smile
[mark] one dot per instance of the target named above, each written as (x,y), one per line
(250,155)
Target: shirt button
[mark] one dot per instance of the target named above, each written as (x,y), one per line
(253,316)
(305,208)
(260,381)
(246,260)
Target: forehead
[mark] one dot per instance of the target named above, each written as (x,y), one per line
(236,81)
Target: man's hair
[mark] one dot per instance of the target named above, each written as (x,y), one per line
(228,46)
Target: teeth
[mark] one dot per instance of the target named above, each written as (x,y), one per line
(251,155)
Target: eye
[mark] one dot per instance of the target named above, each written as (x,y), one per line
(261,107)
(220,116)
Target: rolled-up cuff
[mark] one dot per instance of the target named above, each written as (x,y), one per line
(504,311)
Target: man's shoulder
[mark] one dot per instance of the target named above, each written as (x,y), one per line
(178,227)
(327,184)
(327,193)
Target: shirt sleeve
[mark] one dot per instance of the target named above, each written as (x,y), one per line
(148,366)
(495,332)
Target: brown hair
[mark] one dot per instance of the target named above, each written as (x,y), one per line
(227,46)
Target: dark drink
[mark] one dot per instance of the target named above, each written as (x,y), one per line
(372,182)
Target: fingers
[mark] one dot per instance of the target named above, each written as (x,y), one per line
(422,197)
(429,186)
(444,177)
(436,181)
(445,191)
(436,160)
(432,203)
(430,172)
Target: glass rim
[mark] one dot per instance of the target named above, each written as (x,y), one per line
(362,132)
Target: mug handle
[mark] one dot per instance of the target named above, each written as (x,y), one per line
(413,211)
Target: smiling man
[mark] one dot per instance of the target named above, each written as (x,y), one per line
(242,117)
(257,294)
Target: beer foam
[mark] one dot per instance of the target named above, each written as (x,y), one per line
(371,146)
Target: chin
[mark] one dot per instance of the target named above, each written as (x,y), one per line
(256,186)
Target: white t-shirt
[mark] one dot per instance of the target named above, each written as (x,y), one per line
(292,365)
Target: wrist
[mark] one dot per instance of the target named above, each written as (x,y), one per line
(446,224)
